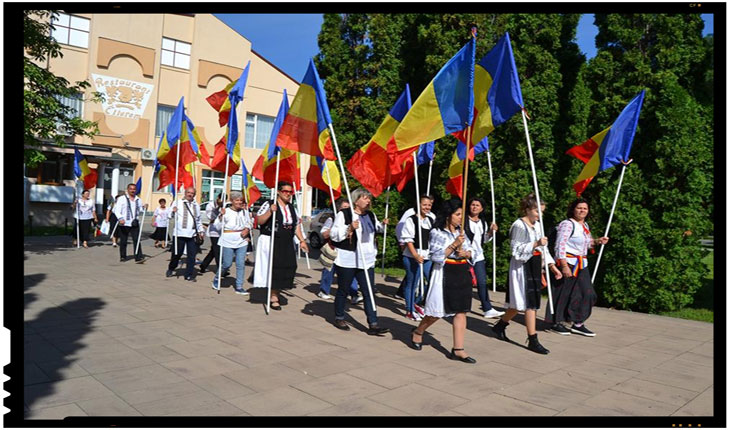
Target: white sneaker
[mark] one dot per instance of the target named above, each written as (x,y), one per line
(114,245)
(356,300)
(323,295)
(493,313)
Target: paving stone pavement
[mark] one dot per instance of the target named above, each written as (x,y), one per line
(104,337)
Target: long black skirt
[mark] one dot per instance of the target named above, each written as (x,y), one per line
(457,288)
(159,234)
(285,259)
(573,298)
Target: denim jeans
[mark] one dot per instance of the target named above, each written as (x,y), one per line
(325,282)
(480,270)
(345,276)
(412,281)
(228,254)
(192,249)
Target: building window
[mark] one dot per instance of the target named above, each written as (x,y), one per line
(265,191)
(76,106)
(71,30)
(164,114)
(53,170)
(258,130)
(175,53)
(211,185)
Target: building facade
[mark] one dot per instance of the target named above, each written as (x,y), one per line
(143,64)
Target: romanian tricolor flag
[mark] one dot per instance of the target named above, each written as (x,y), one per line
(305,128)
(455,185)
(444,107)
(497,92)
(177,129)
(83,171)
(250,190)
(370,165)
(320,176)
(609,147)
(221,101)
(265,167)
(229,147)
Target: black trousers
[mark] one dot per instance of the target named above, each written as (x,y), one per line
(213,253)
(84,228)
(191,251)
(124,233)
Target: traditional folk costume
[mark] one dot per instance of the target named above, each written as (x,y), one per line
(413,269)
(162,218)
(128,210)
(85,213)
(478,232)
(285,258)
(231,226)
(574,297)
(187,225)
(525,266)
(450,286)
(212,210)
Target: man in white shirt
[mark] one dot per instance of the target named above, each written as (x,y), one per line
(127,209)
(187,225)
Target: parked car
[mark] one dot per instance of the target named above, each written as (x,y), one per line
(315,237)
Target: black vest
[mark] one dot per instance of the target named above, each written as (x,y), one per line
(265,228)
(467,228)
(425,233)
(350,244)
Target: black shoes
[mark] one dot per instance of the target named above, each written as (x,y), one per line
(453,356)
(201,270)
(342,325)
(582,330)
(560,329)
(534,345)
(499,330)
(168,274)
(190,278)
(377,331)
(416,345)
(122,259)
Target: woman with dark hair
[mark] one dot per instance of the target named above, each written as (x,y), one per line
(525,272)
(84,215)
(574,295)
(111,218)
(449,293)
(160,219)
(415,256)
(476,230)
(285,259)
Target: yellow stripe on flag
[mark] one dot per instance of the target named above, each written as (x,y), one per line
(422,123)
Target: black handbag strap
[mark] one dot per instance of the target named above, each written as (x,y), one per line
(195,224)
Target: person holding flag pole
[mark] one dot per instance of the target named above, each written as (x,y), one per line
(299,215)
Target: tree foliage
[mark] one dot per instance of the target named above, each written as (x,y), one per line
(43,112)
(652,262)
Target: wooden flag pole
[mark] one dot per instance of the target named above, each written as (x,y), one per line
(275,199)
(494,221)
(417,227)
(385,229)
(352,211)
(539,212)
(610,217)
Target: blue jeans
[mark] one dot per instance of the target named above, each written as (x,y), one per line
(345,276)
(325,282)
(228,254)
(412,281)
(480,270)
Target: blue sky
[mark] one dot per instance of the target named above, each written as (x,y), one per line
(290,40)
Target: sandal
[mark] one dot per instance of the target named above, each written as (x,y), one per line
(416,345)
(275,306)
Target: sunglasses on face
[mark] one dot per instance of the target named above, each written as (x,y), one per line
(286,191)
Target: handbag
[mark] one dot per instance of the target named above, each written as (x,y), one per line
(327,255)
(198,240)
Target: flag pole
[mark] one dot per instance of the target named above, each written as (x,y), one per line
(177,189)
(417,227)
(271,239)
(299,215)
(385,229)
(428,184)
(78,216)
(466,177)
(144,213)
(539,211)
(494,221)
(223,226)
(610,217)
(352,211)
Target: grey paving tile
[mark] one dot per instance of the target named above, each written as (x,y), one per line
(56,412)
(498,405)
(159,392)
(339,388)
(203,347)
(628,404)
(389,375)
(471,383)
(691,368)
(417,399)
(178,405)
(160,353)
(322,365)
(58,393)
(700,406)
(223,387)
(545,395)
(677,379)
(699,359)
(706,349)
(308,347)
(200,367)
(631,363)
(658,392)
(138,378)
(32,374)
(258,356)
(604,370)
(110,406)
(580,382)
(359,407)
(62,369)
(279,402)
(137,341)
(268,377)
(106,362)
(197,333)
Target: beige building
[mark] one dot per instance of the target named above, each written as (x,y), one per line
(144,63)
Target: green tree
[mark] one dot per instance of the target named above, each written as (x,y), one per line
(43,111)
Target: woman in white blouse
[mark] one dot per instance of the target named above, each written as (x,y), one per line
(415,257)
(345,234)
(574,295)
(160,219)
(85,213)
(235,225)
(526,278)
(449,293)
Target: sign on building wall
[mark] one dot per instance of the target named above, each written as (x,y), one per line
(123,98)
(236,183)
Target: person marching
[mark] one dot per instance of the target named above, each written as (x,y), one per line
(329,252)
(85,214)
(111,218)
(235,225)
(160,220)
(476,227)
(187,226)
(285,258)
(574,294)
(212,211)
(525,272)
(345,234)
(413,258)
(127,209)
(449,293)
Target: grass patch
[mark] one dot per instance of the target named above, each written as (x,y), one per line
(45,231)
(396,272)
(705,315)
